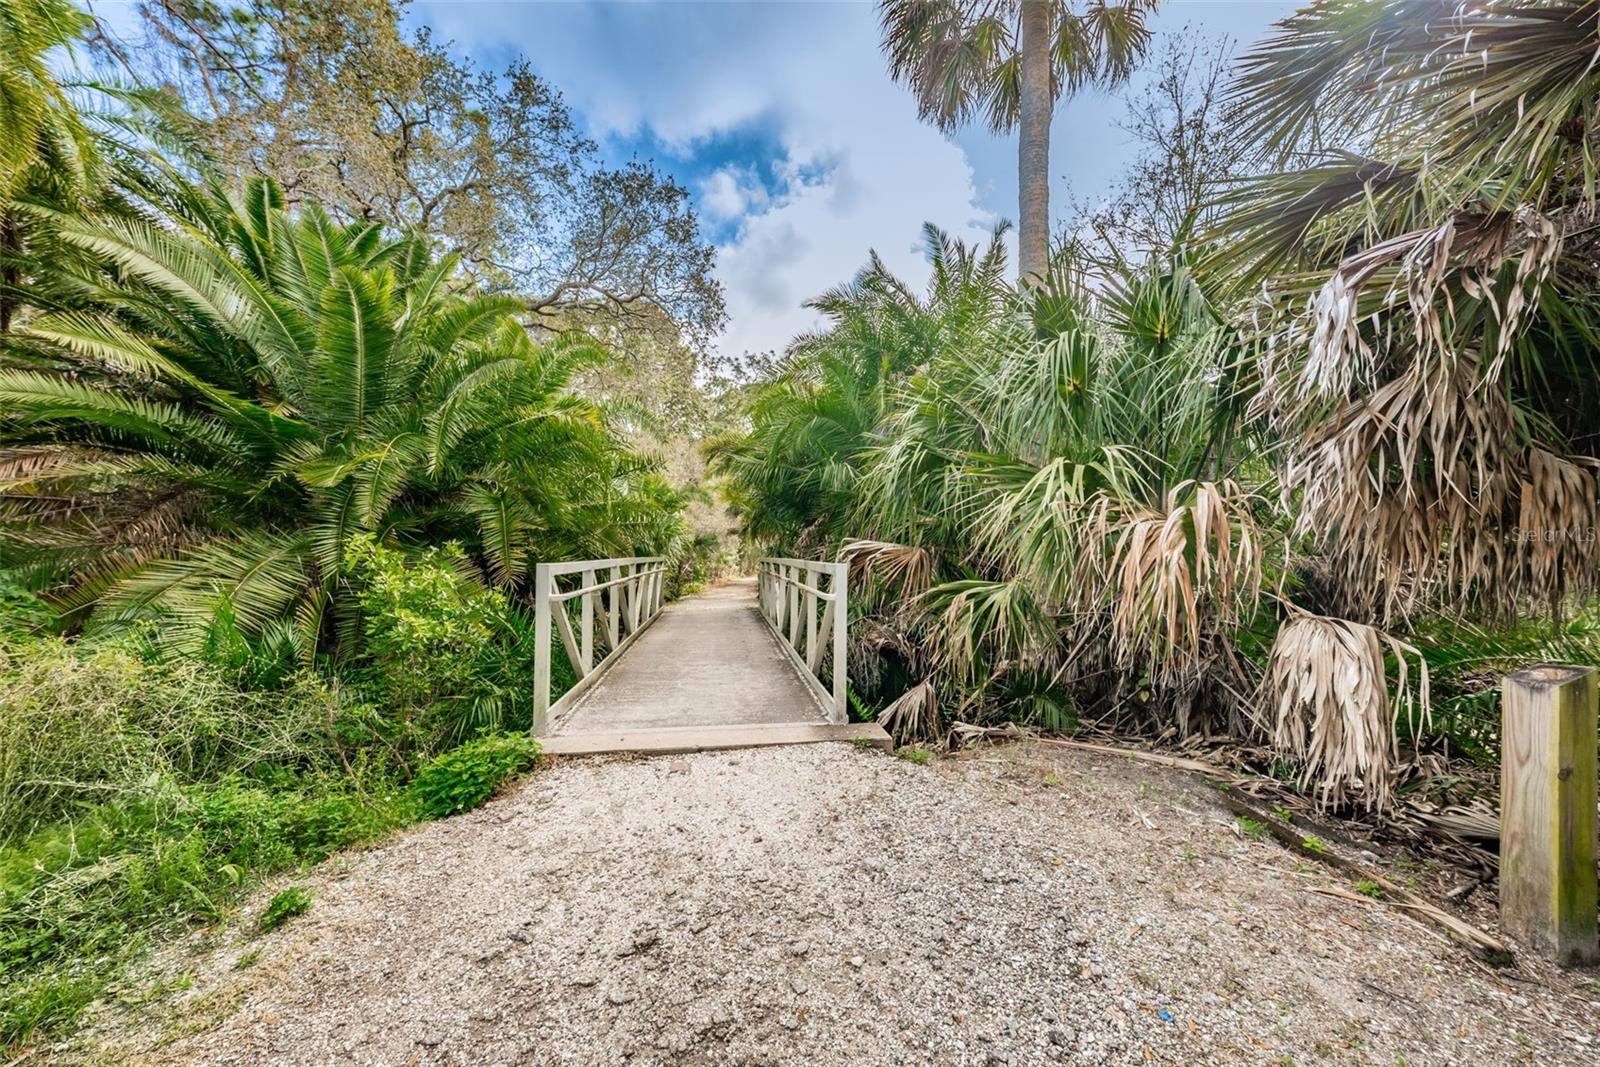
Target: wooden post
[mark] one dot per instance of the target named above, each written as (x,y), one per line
(614,615)
(811,613)
(778,599)
(841,626)
(794,606)
(1547,811)
(542,584)
(587,616)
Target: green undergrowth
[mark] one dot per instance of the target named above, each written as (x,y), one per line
(469,775)
(144,793)
(81,898)
(283,906)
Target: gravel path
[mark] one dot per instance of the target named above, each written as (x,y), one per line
(821,905)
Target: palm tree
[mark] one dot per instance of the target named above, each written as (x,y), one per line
(1433,318)
(69,144)
(792,476)
(245,389)
(1080,528)
(40,121)
(1042,506)
(1010,61)
(44,133)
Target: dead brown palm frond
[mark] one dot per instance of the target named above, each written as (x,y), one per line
(1558,522)
(1467,251)
(975,627)
(915,713)
(879,640)
(20,467)
(1176,575)
(1334,711)
(1424,486)
(906,568)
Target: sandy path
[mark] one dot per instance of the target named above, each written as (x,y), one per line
(820,905)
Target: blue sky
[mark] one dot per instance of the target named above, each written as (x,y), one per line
(780,118)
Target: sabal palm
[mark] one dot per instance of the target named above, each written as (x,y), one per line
(241,393)
(1009,61)
(1067,481)
(1432,274)
(1037,487)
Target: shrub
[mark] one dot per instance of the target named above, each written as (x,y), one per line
(140,794)
(21,610)
(284,906)
(443,658)
(83,723)
(467,776)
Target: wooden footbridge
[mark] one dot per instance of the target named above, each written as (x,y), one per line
(757,661)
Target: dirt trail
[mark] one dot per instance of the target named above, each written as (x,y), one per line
(821,905)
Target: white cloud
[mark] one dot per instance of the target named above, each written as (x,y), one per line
(817,232)
(858,170)
(732,192)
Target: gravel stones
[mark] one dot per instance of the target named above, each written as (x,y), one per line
(820,904)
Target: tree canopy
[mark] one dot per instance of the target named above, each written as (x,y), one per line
(341,105)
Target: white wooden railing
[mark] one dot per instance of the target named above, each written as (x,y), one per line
(789,592)
(617,599)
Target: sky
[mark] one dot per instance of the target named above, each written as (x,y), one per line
(780,118)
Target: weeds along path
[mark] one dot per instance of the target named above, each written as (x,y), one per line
(822,905)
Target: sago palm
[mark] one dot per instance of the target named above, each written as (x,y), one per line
(41,122)
(1008,62)
(239,394)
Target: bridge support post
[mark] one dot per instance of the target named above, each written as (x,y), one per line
(614,614)
(586,610)
(841,626)
(794,606)
(542,582)
(811,615)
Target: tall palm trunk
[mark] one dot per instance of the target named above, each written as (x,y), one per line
(1033,145)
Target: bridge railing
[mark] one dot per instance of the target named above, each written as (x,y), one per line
(616,600)
(790,591)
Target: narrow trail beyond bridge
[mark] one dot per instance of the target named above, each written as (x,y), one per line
(707,672)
